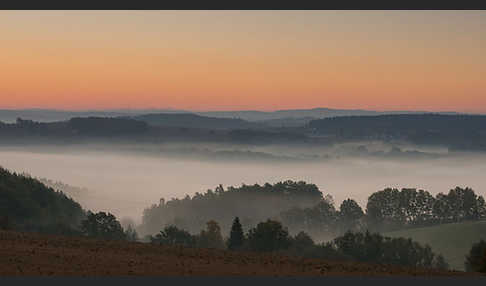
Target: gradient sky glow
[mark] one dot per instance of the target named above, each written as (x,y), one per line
(231,60)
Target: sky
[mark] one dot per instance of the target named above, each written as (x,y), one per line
(243,60)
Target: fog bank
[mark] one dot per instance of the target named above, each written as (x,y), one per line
(126,183)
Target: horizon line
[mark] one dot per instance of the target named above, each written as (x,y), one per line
(227,110)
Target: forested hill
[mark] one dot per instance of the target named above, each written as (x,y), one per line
(27,204)
(194,121)
(78,126)
(457,132)
(454,131)
(129,129)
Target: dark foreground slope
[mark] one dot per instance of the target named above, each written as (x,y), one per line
(27,204)
(34,254)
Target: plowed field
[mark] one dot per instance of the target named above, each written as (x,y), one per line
(34,254)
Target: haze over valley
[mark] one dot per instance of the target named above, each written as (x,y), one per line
(134,177)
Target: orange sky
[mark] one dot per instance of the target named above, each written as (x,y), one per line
(231,60)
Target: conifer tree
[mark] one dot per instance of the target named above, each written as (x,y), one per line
(237,237)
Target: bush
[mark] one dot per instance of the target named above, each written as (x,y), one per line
(476,259)
(102,225)
(171,235)
(211,238)
(268,236)
(131,234)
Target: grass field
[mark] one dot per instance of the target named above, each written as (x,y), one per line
(453,240)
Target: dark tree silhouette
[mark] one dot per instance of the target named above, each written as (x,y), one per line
(476,259)
(350,214)
(237,237)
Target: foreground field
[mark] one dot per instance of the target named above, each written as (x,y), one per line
(34,254)
(453,240)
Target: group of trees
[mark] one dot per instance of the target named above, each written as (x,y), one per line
(375,248)
(387,210)
(252,203)
(393,209)
(209,238)
(302,207)
(105,226)
(323,220)
(272,236)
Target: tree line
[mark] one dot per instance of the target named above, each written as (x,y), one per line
(387,210)
(272,236)
(142,129)
(302,207)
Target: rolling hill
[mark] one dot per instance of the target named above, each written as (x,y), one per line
(458,132)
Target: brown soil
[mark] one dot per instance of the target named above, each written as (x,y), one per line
(35,254)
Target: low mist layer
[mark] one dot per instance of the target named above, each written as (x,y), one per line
(126,183)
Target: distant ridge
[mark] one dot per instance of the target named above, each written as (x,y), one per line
(284,117)
(51,115)
(315,113)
